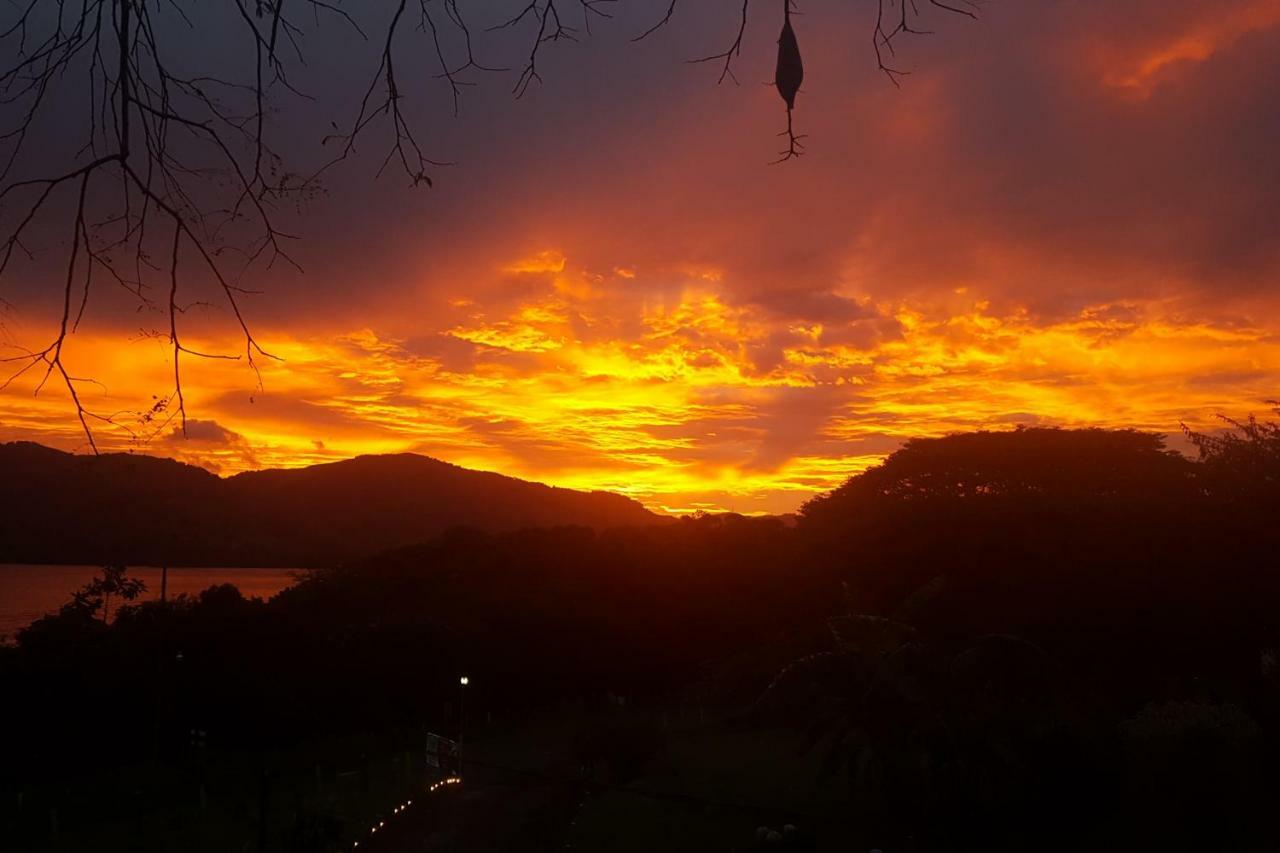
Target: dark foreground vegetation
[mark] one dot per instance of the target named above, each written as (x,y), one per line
(1039,640)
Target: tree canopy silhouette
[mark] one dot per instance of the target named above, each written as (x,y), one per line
(1028,462)
(1242,461)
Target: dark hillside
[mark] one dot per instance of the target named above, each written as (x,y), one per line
(134,509)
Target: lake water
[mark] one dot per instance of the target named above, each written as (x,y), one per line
(29,592)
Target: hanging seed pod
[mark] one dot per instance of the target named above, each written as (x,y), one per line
(790,71)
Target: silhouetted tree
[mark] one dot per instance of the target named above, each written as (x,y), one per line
(1242,461)
(95,596)
(1038,462)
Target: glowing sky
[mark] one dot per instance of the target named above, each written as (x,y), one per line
(1067,215)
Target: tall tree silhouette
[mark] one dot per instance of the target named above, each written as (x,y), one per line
(95,596)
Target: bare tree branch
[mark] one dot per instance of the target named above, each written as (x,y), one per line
(174,162)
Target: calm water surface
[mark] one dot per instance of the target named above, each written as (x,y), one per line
(29,592)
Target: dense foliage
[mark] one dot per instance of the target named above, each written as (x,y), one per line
(1043,639)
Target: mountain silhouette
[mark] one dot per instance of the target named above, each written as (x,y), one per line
(134,509)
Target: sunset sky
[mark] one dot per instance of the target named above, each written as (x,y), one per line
(1068,214)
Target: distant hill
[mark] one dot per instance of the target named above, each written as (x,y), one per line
(58,507)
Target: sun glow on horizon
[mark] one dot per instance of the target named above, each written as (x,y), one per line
(692,400)
(614,290)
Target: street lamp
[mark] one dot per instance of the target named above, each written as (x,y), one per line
(462,716)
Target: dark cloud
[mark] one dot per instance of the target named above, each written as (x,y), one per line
(793,420)
(204,432)
(814,306)
(1011,159)
(210,445)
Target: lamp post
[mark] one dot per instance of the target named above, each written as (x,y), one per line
(462,717)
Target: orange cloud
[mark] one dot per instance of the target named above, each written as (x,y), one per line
(1220,27)
(548,261)
(674,405)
